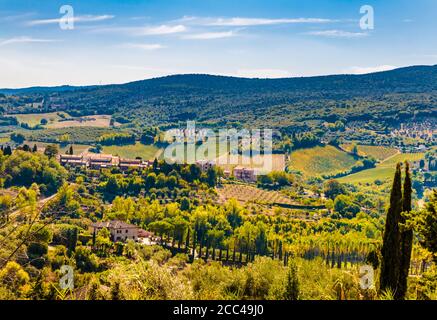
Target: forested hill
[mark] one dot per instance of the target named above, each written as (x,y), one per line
(404,92)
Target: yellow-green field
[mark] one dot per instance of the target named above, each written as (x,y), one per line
(378,152)
(320,160)
(383,171)
(4,139)
(135,150)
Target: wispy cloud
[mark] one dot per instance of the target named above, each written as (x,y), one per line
(24,39)
(161,30)
(85,18)
(210,35)
(247,22)
(144,46)
(364,70)
(338,34)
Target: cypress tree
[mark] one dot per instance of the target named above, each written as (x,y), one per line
(155,164)
(187,241)
(390,266)
(292,282)
(406,236)
(7,151)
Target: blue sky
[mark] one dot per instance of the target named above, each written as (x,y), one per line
(120,41)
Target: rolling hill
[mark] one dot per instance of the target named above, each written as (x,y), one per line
(218,100)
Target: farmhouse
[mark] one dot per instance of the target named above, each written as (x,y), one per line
(120,231)
(126,164)
(205,164)
(72,160)
(100,161)
(245,174)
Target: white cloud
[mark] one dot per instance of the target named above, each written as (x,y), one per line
(364,70)
(144,46)
(338,34)
(210,35)
(24,40)
(263,73)
(85,18)
(161,30)
(246,22)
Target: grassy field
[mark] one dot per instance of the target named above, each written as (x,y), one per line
(261,162)
(55,120)
(321,160)
(204,151)
(102,121)
(383,171)
(378,152)
(33,119)
(78,135)
(132,151)
(77,148)
(224,160)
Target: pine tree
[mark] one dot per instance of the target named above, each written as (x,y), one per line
(406,236)
(390,266)
(71,150)
(35,148)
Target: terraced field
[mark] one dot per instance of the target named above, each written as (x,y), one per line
(378,152)
(383,171)
(321,160)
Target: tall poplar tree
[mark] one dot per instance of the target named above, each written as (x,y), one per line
(390,265)
(406,236)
